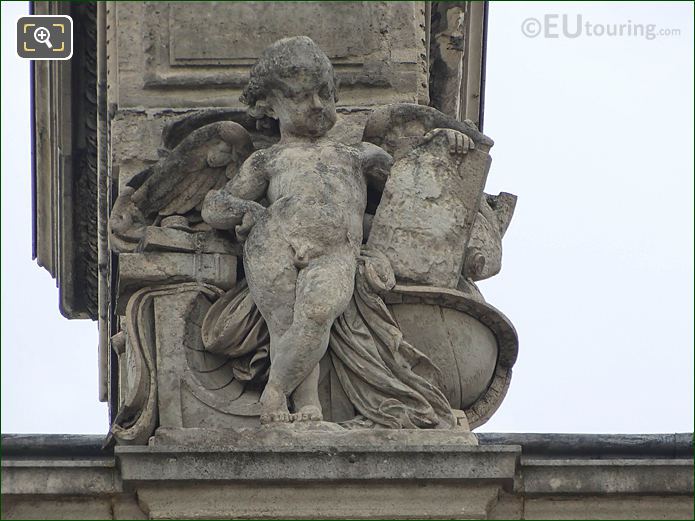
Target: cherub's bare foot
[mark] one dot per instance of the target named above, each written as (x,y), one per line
(274,406)
(307,406)
(308,413)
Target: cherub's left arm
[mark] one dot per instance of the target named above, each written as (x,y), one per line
(376,165)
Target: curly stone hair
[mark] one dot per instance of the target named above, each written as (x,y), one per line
(285,59)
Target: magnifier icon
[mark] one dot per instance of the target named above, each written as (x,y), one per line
(43,35)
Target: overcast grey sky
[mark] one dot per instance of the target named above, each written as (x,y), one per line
(594,133)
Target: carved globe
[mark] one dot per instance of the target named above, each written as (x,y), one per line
(472,343)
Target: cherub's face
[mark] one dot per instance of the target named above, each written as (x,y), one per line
(305,105)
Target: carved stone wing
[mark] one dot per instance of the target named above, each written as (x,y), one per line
(177,184)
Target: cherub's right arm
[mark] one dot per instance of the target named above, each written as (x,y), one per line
(225,208)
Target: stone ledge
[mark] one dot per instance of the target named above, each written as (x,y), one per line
(391,461)
(407,499)
(85,476)
(542,476)
(594,507)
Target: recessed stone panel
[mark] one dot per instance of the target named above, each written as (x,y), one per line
(201,52)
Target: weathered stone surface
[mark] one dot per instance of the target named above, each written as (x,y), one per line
(424,220)
(380,500)
(484,250)
(467,304)
(511,506)
(121,506)
(309,312)
(312,437)
(379,50)
(30,507)
(647,507)
(462,347)
(158,268)
(648,485)
(324,460)
(508,506)
(370,474)
(60,477)
(126,506)
(167,268)
(402,130)
(615,476)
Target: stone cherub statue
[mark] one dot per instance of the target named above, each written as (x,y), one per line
(323,286)
(301,252)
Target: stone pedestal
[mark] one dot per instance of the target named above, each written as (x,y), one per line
(356,474)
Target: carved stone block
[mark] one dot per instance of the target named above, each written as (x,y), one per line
(154,268)
(424,220)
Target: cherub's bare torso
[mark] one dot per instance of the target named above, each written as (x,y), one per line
(317,195)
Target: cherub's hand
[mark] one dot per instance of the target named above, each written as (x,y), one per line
(254,212)
(459,143)
(242,230)
(377,269)
(224,211)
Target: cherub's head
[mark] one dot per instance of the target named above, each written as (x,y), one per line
(293,81)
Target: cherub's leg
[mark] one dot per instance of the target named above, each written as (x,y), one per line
(306,397)
(324,289)
(272,279)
